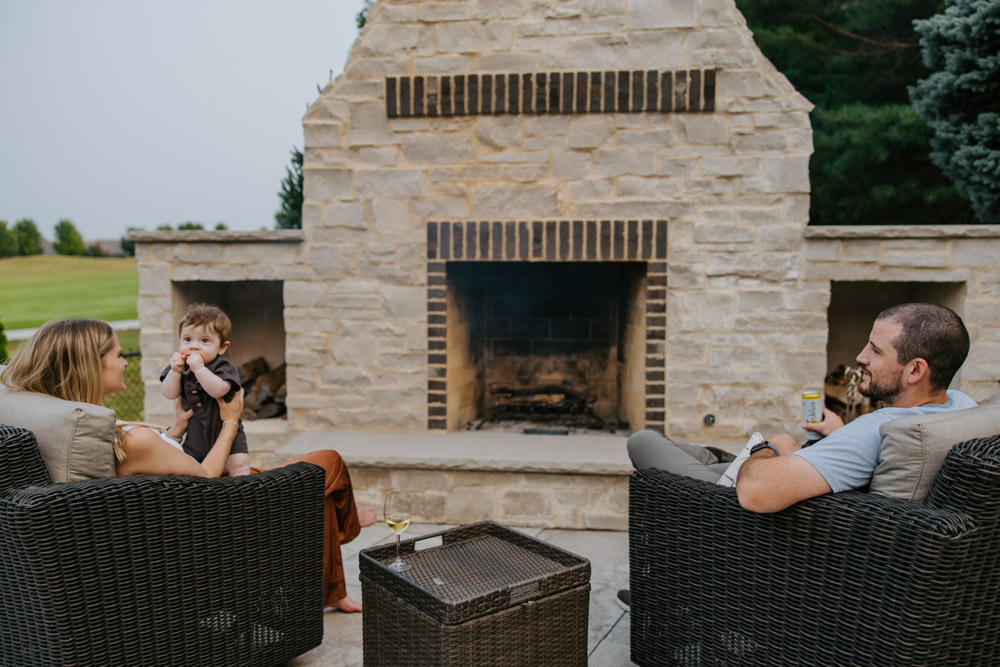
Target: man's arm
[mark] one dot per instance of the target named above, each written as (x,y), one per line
(770,483)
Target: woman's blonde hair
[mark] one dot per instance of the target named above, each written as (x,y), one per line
(64,358)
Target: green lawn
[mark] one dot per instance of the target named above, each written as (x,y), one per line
(34,290)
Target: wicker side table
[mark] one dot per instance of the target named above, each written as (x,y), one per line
(486,595)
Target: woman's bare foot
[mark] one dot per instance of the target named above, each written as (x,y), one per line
(345,604)
(366,515)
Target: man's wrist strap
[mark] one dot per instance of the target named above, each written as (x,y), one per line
(764,445)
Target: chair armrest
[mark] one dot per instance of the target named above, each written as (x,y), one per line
(844,572)
(183,562)
(21,463)
(652,490)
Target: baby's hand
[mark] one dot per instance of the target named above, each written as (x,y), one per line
(194,361)
(177,362)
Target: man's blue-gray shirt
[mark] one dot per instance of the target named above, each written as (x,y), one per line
(847,457)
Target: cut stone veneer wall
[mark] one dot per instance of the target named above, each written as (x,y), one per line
(575,501)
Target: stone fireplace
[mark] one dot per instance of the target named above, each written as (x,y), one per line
(597,203)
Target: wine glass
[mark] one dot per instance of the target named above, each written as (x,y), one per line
(398,510)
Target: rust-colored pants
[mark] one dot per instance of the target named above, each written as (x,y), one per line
(340,519)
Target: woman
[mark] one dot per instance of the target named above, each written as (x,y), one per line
(81,360)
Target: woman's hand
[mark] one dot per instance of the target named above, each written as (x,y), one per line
(179,427)
(233,410)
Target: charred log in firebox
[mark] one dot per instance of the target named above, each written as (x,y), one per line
(550,403)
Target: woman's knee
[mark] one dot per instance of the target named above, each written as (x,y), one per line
(327,459)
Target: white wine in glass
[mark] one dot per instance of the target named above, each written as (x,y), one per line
(398,511)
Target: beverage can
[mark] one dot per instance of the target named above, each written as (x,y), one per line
(812,410)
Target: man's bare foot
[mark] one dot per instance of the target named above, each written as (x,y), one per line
(345,604)
(366,515)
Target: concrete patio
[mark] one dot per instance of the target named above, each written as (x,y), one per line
(608,637)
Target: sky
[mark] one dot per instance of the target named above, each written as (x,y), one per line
(133,113)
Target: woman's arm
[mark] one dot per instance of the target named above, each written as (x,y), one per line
(177,430)
(146,453)
(230,414)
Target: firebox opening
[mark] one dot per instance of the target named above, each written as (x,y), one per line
(256,309)
(545,344)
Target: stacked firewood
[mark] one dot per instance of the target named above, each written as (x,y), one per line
(264,390)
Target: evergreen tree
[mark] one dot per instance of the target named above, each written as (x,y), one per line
(846,52)
(961,99)
(871,164)
(29,240)
(854,60)
(290,215)
(68,240)
(185,226)
(8,241)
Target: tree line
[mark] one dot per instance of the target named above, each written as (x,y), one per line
(24,239)
(907,95)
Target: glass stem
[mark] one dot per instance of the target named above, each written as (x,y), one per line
(398,559)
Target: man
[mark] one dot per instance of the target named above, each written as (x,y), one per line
(912,354)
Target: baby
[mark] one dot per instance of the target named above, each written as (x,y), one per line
(198,374)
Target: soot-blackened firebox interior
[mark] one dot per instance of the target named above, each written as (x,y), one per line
(545,343)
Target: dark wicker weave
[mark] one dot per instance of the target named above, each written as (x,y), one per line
(152,570)
(846,579)
(487,596)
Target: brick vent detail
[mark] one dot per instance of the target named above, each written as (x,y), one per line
(551,92)
(547,241)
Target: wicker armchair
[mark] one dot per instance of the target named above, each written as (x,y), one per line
(151,570)
(846,579)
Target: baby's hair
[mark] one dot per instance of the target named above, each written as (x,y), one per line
(207,315)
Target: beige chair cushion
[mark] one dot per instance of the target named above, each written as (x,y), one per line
(75,439)
(914,447)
